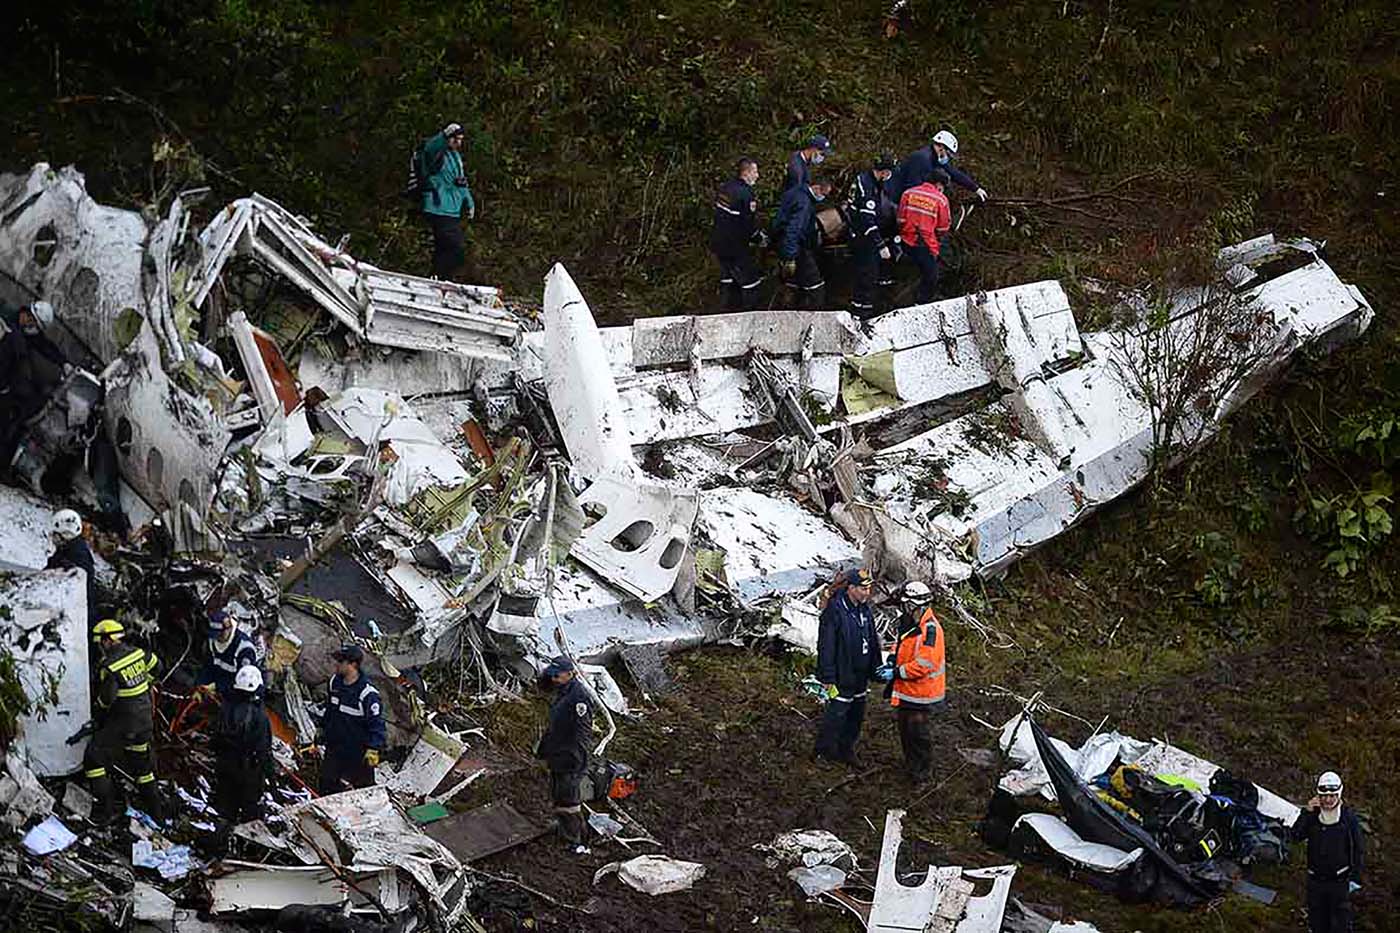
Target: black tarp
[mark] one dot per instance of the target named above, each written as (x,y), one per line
(1096,821)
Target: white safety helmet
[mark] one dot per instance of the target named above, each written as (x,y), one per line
(248,679)
(66,524)
(1329,783)
(43,313)
(947,140)
(916,590)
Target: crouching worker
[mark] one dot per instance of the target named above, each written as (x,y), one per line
(123,719)
(848,659)
(920,679)
(353,727)
(242,750)
(565,747)
(1333,835)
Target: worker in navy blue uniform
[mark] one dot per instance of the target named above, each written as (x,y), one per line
(230,650)
(242,746)
(939,153)
(24,389)
(735,233)
(566,747)
(71,550)
(871,215)
(353,725)
(799,167)
(1335,859)
(798,239)
(848,659)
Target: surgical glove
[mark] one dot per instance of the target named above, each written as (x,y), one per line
(884,252)
(982,194)
(789,268)
(67,370)
(885,673)
(372,757)
(1353,887)
(471,213)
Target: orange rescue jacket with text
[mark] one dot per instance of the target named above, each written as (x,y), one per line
(920,676)
(924,217)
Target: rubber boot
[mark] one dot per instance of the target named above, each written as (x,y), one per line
(151,802)
(107,808)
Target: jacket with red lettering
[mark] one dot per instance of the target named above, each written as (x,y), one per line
(920,676)
(924,216)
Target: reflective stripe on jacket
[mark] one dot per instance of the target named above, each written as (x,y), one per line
(126,677)
(920,671)
(354,719)
(924,217)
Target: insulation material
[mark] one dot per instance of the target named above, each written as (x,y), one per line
(46,634)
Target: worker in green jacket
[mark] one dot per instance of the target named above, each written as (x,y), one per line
(445,194)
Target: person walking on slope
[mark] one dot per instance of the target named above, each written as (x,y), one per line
(939,153)
(799,167)
(566,747)
(848,659)
(924,221)
(445,195)
(798,241)
(871,213)
(1335,858)
(920,678)
(734,235)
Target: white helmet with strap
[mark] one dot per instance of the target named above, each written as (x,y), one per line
(66,524)
(43,312)
(1329,783)
(947,140)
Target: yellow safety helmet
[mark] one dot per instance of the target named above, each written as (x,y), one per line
(107,627)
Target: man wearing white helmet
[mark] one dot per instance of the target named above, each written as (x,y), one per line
(22,390)
(242,746)
(939,153)
(1335,858)
(920,679)
(71,551)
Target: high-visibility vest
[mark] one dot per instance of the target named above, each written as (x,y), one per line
(920,675)
(131,672)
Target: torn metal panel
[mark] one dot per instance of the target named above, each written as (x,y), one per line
(896,907)
(581,389)
(46,634)
(486,830)
(771,544)
(408,372)
(647,666)
(413,313)
(661,341)
(1060,837)
(639,534)
(25,543)
(254,366)
(21,794)
(84,258)
(237,887)
(373,416)
(429,761)
(984,913)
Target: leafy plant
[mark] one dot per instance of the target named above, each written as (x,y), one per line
(1351,525)
(1373,434)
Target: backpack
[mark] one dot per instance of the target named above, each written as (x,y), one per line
(419,171)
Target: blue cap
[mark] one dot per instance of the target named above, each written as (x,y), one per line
(819,142)
(218,618)
(859,577)
(349,653)
(560,665)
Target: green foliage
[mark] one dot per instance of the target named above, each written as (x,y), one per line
(1351,525)
(1368,620)
(1373,434)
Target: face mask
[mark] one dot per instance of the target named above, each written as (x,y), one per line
(818,159)
(942,160)
(818,197)
(30,329)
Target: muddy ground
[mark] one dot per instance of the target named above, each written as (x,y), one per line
(725,764)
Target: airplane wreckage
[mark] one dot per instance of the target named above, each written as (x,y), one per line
(331,451)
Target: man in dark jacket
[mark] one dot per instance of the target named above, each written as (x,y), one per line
(939,153)
(566,747)
(798,240)
(848,659)
(1335,858)
(23,388)
(799,167)
(230,650)
(71,550)
(871,214)
(242,747)
(733,235)
(353,726)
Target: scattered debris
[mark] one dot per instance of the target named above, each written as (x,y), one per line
(654,874)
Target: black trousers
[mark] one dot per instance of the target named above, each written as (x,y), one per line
(808,284)
(238,790)
(345,771)
(1329,906)
(914,738)
(126,735)
(840,728)
(566,793)
(865,270)
(449,244)
(927,264)
(739,280)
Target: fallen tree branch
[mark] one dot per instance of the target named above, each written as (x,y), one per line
(507,879)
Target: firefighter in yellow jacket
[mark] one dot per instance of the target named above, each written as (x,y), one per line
(920,678)
(123,716)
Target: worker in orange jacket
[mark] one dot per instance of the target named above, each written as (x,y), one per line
(920,678)
(924,220)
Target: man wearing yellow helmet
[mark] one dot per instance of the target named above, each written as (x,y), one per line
(123,714)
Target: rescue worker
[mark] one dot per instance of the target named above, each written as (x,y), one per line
(353,725)
(919,679)
(1335,858)
(230,650)
(871,214)
(446,194)
(242,745)
(566,747)
(939,153)
(123,719)
(848,658)
(799,167)
(924,220)
(798,239)
(22,390)
(71,550)
(735,232)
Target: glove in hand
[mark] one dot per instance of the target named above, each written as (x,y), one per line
(372,757)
